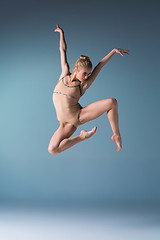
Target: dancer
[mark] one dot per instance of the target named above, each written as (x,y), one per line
(66,94)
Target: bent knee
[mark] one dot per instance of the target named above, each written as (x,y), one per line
(113,102)
(53,150)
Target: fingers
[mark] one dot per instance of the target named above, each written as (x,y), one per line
(126,52)
(57,28)
(121,51)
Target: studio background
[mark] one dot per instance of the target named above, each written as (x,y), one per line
(91,172)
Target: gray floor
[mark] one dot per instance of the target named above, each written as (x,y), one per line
(77,224)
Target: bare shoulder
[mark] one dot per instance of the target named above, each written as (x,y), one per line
(63,74)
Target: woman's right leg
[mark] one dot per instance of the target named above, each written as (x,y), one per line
(60,140)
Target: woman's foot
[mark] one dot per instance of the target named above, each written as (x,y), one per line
(85,135)
(117,139)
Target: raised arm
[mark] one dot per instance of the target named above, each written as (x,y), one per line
(63,50)
(102,63)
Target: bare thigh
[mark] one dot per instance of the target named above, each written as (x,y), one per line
(96,109)
(65,130)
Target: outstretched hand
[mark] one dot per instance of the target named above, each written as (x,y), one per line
(58,29)
(121,51)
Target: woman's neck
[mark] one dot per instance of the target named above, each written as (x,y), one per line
(73,78)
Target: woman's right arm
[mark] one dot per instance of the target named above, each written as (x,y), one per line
(63,50)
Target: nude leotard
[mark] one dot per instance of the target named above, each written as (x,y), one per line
(65,99)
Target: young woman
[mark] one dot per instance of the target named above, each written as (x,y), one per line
(66,94)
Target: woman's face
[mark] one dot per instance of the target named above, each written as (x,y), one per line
(83,74)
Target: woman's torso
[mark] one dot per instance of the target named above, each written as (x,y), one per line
(73,89)
(66,95)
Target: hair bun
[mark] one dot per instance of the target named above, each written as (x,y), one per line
(82,62)
(84,57)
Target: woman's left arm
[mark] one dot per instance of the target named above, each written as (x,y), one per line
(103,62)
(110,55)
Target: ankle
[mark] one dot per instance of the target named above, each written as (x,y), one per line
(117,134)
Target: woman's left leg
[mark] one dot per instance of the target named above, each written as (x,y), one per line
(96,109)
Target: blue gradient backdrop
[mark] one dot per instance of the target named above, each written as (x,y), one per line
(92,171)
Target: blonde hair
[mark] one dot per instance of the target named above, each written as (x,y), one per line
(83,61)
